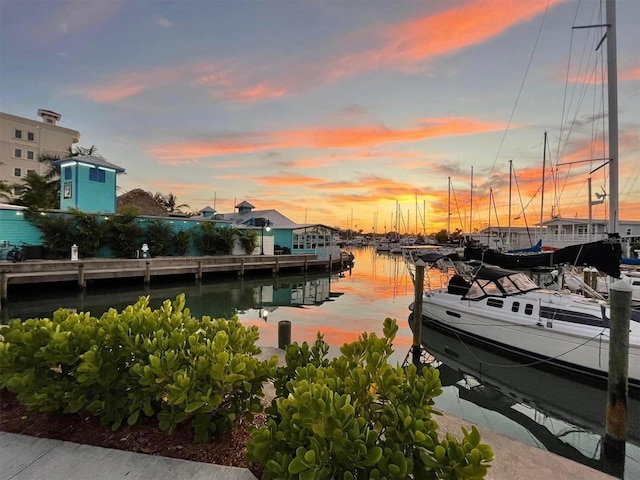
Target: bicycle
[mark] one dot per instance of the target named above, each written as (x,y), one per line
(16,254)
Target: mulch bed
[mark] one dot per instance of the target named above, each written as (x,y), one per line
(224,449)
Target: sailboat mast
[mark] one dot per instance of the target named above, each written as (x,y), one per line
(489,225)
(449,210)
(471,205)
(612,78)
(544,166)
(509,229)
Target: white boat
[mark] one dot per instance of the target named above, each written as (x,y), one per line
(507,310)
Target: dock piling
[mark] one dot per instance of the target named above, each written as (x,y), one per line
(618,389)
(81,279)
(147,273)
(4,287)
(284,334)
(417,313)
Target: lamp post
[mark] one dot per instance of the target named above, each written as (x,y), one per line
(265,226)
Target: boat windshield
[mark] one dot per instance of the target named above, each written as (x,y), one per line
(523,282)
(500,287)
(483,288)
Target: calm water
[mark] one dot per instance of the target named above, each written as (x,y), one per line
(534,407)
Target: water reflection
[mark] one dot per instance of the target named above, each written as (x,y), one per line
(558,414)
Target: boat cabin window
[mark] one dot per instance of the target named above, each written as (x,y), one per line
(494,302)
(528,309)
(515,306)
(570,316)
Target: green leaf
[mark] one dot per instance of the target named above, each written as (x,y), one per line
(193,406)
(297,466)
(373,456)
(133,418)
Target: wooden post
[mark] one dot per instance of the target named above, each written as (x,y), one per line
(616,415)
(147,273)
(4,287)
(81,280)
(330,266)
(284,334)
(199,271)
(241,272)
(417,313)
(277,269)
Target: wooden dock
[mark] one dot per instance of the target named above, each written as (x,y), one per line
(43,272)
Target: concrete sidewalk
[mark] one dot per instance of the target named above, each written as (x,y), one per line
(24,458)
(29,458)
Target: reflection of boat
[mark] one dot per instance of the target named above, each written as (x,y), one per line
(507,310)
(603,255)
(547,405)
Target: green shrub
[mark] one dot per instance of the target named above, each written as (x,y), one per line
(248,239)
(123,234)
(214,240)
(57,232)
(140,362)
(356,416)
(181,242)
(159,237)
(88,232)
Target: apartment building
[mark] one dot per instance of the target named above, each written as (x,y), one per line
(23,140)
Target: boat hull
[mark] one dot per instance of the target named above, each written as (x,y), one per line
(555,344)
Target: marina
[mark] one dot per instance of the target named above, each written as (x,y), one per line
(537,408)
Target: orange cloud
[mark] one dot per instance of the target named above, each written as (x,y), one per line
(345,137)
(440,34)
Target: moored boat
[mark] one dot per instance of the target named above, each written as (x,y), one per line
(508,311)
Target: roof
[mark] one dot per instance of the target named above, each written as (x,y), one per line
(142,200)
(275,218)
(244,203)
(91,160)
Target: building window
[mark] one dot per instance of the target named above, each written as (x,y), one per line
(67,174)
(18,133)
(30,155)
(17,152)
(17,172)
(49,120)
(30,171)
(31,136)
(628,231)
(17,191)
(97,175)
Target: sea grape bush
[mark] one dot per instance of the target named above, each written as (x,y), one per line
(137,363)
(356,416)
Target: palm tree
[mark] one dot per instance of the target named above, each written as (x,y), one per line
(168,202)
(39,192)
(5,191)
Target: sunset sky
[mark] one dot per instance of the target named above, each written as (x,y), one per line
(335,111)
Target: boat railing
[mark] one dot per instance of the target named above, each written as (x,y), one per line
(437,273)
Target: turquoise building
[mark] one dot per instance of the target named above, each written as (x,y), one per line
(88,183)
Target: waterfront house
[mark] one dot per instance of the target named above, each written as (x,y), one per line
(283,235)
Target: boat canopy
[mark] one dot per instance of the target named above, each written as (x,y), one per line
(491,282)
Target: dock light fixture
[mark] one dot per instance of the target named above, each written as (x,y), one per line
(266,225)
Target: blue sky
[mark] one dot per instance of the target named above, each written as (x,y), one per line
(335,111)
